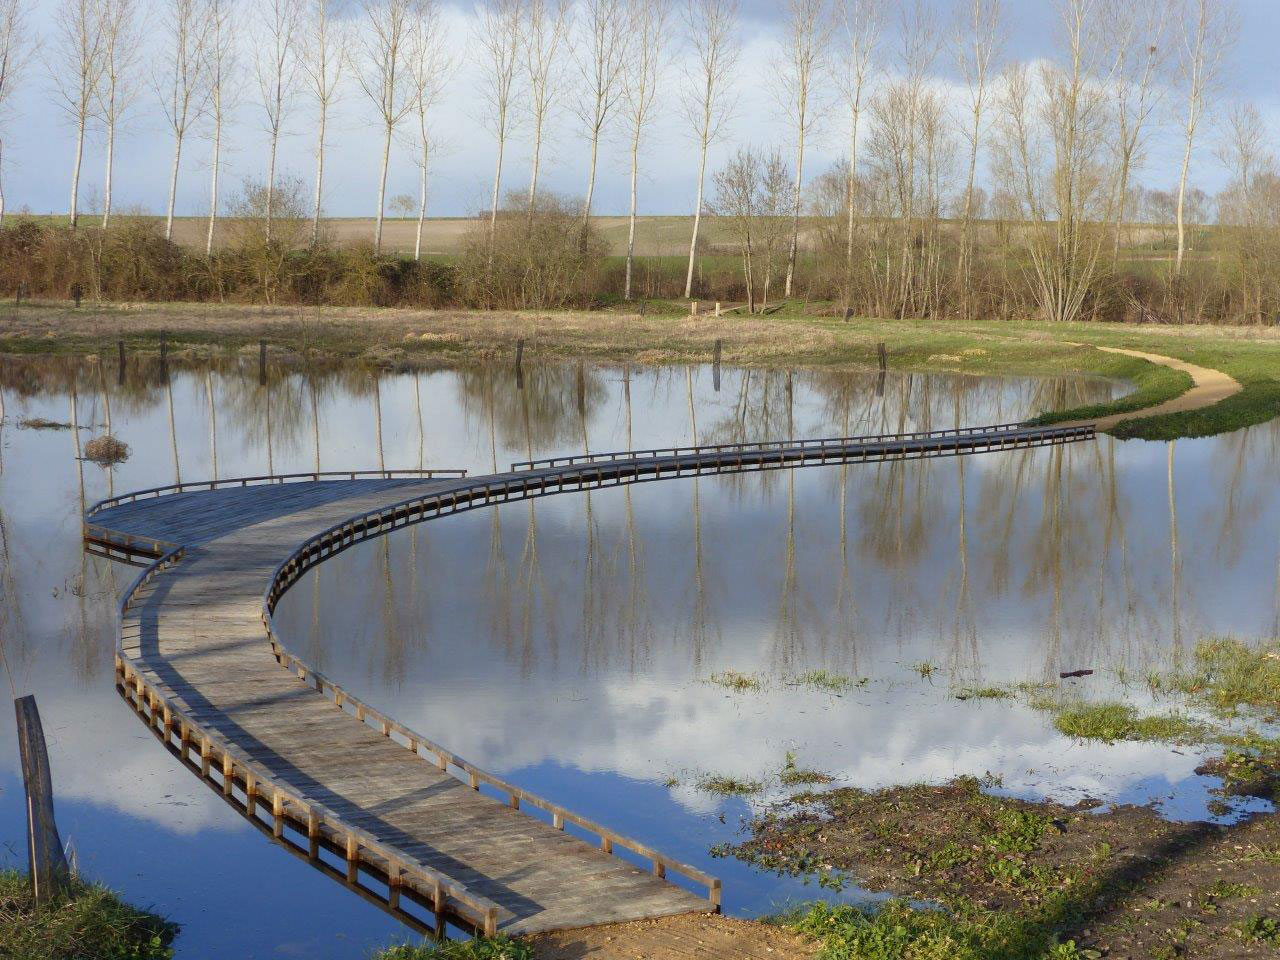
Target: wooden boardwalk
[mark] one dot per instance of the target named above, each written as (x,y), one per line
(380,807)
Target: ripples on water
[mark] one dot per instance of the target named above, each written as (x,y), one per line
(566,643)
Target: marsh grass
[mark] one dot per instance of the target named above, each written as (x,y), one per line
(106,450)
(1227,674)
(983,693)
(738,682)
(828,682)
(925,668)
(481,948)
(1111,722)
(40,423)
(793,775)
(728,786)
(90,923)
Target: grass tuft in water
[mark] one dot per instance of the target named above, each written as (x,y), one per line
(925,668)
(794,776)
(1110,722)
(1228,674)
(983,693)
(481,948)
(828,682)
(41,423)
(740,682)
(729,786)
(90,923)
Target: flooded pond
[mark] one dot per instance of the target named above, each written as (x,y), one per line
(621,651)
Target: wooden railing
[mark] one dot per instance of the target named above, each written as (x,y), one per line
(266,478)
(249,786)
(765,445)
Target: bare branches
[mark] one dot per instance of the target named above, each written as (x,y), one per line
(859,24)
(276,68)
(430,66)
(712,27)
(16,47)
(499,41)
(325,36)
(544,43)
(601,55)
(118,82)
(222,68)
(380,72)
(182,82)
(76,67)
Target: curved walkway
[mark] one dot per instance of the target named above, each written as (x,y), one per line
(381,807)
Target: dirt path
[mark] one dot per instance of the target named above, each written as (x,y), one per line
(690,937)
(1208,387)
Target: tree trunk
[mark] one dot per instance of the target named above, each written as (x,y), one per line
(382,190)
(533,171)
(497,186)
(697,218)
(271,179)
(631,227)
(851,189)
(1,183)
(422,203)
(315,212)
(591,178)
(795,213)
(213,180)
(173,187)
(75,175)
(1182,199)
(106,178)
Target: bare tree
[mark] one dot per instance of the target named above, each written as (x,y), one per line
(601,56)
(429,67)
(979,38)
(76,67)
(117,89)
(499,39)
(381,73)
(712,28)
(1209,29)
(16,47)
(860,22)
(804,50)
(738,201)
(325,37)
(221,64)
(544,42)
(276,66)
(182,82)
(649,21)
(1139,30)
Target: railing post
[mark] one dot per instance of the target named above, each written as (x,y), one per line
(50,873)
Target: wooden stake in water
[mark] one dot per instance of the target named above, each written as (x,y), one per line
(715,369)
(49,871)
(882,356)
(120,350)
(519,364)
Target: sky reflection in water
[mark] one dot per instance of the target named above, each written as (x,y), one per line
(567,643)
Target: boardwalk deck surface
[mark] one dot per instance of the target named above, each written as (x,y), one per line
(196,632)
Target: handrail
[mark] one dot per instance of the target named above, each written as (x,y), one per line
(399,868)
(572,459)
(266,478)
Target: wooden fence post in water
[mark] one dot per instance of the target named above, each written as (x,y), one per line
(519,364)
(715,369)
(120,373)
(50,874)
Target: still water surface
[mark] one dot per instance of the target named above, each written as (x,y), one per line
(568,643)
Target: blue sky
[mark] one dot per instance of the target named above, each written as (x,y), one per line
(38,141)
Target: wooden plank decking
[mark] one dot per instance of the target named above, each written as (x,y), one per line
(364,798)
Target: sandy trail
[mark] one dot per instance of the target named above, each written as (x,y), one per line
(1208,387)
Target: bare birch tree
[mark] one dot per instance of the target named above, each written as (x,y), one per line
(860,23)
(276,67)
(601,55)
(979,38)
(429,68)
(16,47)
(76,67)
(325,37)
(221,64)
(118,86)
(712,27)
(1208,31)
(544,46)
(804,50)
(1139,30)
(182,82)
(499,26)
(382,74)
(649,21)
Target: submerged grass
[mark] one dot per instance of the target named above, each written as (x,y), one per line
(90,923)
(481,948)
(793,775)
(728,786)
(828,682)
(739,682)
(1110,722)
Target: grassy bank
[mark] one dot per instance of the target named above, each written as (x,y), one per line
(796,337)
(91,923)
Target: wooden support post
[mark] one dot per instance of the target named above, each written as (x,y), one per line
(313,835)
(715,895)
(659,869)
(606,845)
(49,872)
(519,364)
(693,308)
(262,362)
(717,308)
(353,858)
(250,794)
(277,814)
(437,907)
(394,874)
